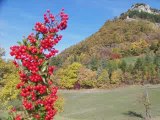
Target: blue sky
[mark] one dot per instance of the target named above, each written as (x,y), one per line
(17,17)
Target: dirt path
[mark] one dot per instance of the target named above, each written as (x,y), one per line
(108,90)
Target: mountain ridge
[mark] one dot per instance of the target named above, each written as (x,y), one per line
(121,52)
(141,11)
(113,39)
(145,8)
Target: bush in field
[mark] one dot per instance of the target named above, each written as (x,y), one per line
(9,79)
(103,78)
(59,104)
(112,65)
(68,76)
(116,77)
(127,78)
(123,66)
(86,77)
(75,74)
(157,63)
(33,53)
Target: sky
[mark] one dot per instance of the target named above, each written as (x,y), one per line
(17,18)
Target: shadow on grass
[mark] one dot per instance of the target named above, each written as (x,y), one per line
(133,114)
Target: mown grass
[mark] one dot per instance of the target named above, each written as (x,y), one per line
(116,104)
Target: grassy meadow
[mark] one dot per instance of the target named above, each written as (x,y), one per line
(116,104)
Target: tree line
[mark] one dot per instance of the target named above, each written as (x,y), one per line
(109,73)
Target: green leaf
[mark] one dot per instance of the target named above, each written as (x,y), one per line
(37,43)
(25,41)
(45,63)
(10,118)
(37,36)
(19,43)
(44,79)
(42,115)
(44,68)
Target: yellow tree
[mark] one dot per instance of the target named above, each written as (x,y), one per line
(116,77)
(68,76)
(8,81)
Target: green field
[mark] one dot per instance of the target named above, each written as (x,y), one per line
(116,104)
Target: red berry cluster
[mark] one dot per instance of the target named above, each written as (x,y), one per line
(18,117)
(40,27)
(32,58)
(51,69)
(28,105)
(31,38)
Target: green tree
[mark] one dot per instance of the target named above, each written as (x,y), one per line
(157,62)
(111,66)
(149,69)
(103,78)
(130,68)
(148,59)
(57,61)
(123,66)
(139,64)
(93,65)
